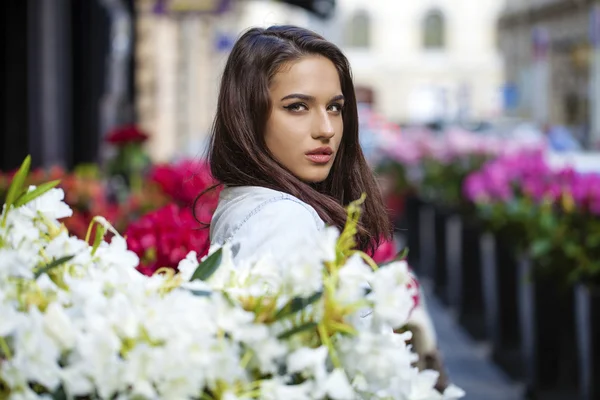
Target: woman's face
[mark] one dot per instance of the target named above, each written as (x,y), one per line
(305,126)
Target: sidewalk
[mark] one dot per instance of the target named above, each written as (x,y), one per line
(466,360)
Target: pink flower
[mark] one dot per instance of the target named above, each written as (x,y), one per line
(385,252)
(184,181)
(164,237)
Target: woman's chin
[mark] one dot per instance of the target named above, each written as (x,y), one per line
(313,174)
(313,178)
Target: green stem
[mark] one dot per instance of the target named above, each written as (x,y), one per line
(5,349)
(327,342)
(246,359)
(89,231)
(5,216)
(367,259)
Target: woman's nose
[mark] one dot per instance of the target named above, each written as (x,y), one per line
(324,127)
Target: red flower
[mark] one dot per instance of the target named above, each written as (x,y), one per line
(184,181)
(164,237)
(126,134)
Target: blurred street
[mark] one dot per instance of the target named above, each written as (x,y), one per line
(467,361)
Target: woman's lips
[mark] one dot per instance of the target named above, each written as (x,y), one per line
(320,155)
(319,158)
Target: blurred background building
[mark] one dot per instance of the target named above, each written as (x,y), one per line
(74,69)
(415,62)
(54,73)
(549,50)
(425,61)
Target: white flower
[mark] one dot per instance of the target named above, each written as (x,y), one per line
(222,276)
(327,243)
(141,370)
(268,352)
(392,300)
(377,357)
(50,204)
(188,266)
(98,354)
(276,390)
(310,361)
(116,255)
(14,263)
(337,386)
(354,277)
(453,392)
(37,355)
(110,332)
(21,228)
(75,381)
(59,327)
(63,244)
(303,278)
(421,386)
(10,320)
(123,316)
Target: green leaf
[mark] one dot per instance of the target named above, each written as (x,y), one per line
(301,328)
(59,394)
(58,262)
(540,247)
(296,304)
(16,186)
(208,266)
(100,232)
(572,249)
(401,256)
(37,192)
(593,240)
(200,293)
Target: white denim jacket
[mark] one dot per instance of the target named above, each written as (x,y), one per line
(256,220)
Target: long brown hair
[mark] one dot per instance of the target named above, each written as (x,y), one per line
(238,155)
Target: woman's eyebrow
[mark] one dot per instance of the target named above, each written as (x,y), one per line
(306,97)
(300,96)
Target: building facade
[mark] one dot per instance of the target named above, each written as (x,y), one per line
(549,57)
(427,60)
(55,82)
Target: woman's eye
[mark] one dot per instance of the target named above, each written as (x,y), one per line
(296,107)
(336,107)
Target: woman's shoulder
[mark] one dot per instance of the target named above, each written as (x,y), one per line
(248,207)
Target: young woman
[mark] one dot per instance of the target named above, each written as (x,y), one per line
(285,146)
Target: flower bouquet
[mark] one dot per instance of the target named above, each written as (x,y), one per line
(80,322)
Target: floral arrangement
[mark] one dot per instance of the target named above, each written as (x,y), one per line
(80,322)
(436,164)
(553,214)
(85,192)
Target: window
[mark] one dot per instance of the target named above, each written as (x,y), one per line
(359,30)
(434,30)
